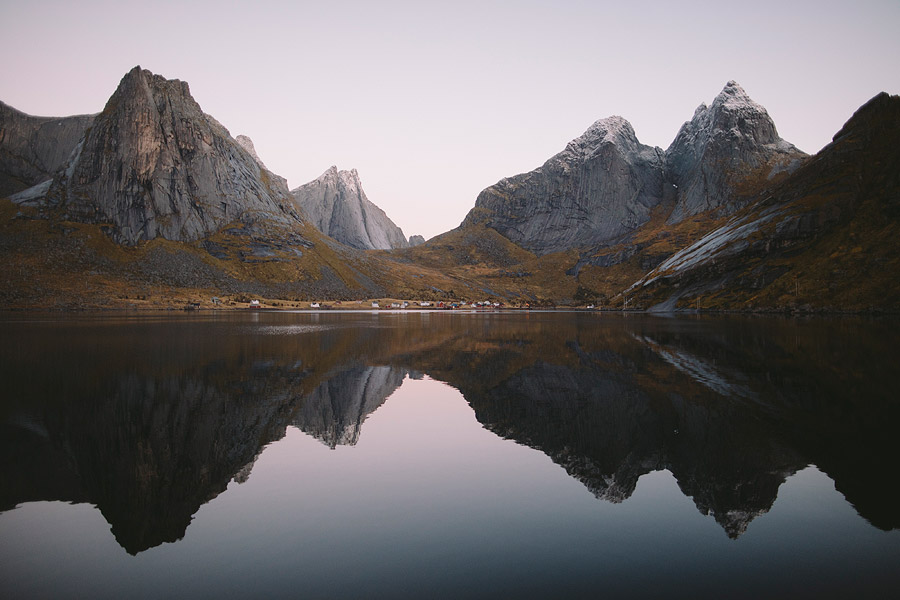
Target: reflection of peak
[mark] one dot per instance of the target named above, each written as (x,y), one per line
(149,447)
(615,487)
(735,522)
(607,430)
(735,499)
(334,412)
(243,474)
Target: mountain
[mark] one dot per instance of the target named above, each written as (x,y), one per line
(721,145)
(339,208)
(152,199)
(154,165)
(824,237)
(32,149)
(604,184)
(157,205)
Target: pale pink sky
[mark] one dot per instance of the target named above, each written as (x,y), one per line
(432,102)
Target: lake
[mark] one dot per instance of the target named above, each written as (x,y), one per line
(447,455)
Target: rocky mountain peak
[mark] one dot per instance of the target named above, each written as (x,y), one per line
(601,186)
(611,130)
(722,143)
(140,85)
(277,181)
(154,165)
(247,144)
(605,183)
(734,96)
(338,207)
(732,114)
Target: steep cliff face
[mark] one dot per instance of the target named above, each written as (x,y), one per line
(338,207)
(822,237)
(32,149)
(720,145)
(277,182)
(154,165)
(603,185)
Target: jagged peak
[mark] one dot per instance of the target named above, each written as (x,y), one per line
(140,82)
(334,173)
(611,130)
(334,176)
(351,177)
(731,111)
(331,173)
(152,78)
(247,144)
(733,97)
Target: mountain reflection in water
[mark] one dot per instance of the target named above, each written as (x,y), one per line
(149,418)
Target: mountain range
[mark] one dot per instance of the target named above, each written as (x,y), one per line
(153,194)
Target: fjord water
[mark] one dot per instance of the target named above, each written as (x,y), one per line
(438,454)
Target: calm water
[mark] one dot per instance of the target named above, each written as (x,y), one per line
(447,455)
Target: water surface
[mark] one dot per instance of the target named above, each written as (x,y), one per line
(440,454)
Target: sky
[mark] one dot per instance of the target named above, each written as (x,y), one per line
(432,102)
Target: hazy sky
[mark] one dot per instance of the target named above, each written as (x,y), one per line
(433,102)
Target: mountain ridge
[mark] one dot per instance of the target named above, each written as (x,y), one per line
(584,228)
(605,183)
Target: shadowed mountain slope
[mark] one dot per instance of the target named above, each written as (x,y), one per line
(33,149)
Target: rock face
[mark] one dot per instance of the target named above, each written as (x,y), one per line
(604,184)
(277,181)
(338,207)
(823,234)
(721,144)
(32,149)
(416,240)
(154,165)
